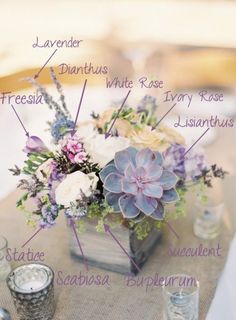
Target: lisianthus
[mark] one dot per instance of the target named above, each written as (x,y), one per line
(74,186)
(186,167)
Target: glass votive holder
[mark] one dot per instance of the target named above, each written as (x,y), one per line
(32,289)
(5,266)
(181,297)
(208,220)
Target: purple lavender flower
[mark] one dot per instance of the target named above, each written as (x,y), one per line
(136,184)
(35,144)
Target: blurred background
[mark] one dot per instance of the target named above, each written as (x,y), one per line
(190,45)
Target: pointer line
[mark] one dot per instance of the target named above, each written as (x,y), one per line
(37,74)
(32,237)
(26,132)
(107,229)
(172,229)
(117,115)
(72,223)
(154,127)
(81,99)
(196,142)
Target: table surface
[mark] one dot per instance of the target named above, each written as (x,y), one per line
(119,302)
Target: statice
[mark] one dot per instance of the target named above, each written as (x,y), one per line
(49,213)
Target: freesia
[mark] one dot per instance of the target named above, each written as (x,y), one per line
(35,144)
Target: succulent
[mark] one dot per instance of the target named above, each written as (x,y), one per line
(137,185)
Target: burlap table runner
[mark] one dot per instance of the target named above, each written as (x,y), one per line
(118,301)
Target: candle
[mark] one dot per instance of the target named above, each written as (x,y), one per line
(181,295)
(31,287)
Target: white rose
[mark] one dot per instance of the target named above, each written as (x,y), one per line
(69,190)
(103,150)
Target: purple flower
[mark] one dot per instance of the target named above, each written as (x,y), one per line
(35,144)
(49,214)
(174,160)
(195,163)
(74,149)
(136,184)
(186,167)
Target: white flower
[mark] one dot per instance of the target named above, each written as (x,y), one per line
(44,170)
(69,190)
(103,150)
(86,131)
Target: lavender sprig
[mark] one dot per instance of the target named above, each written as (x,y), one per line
(59,89)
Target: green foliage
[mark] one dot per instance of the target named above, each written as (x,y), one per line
(142,228)
(34,161)
(102,213)
(80,226)
(180,205)
(20,202)
(29,216)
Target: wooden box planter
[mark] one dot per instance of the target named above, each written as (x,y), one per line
(102,251)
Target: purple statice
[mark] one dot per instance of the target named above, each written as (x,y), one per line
(174,160)
(137,185)
(73,149)
(34,144)
(60,127)
(49,214)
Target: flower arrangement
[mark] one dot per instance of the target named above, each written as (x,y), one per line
(129,178)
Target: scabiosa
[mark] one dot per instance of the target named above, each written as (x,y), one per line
(136,184)
(60,127)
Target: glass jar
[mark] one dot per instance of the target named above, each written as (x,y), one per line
(32,289)
(5,266)
(181,297)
